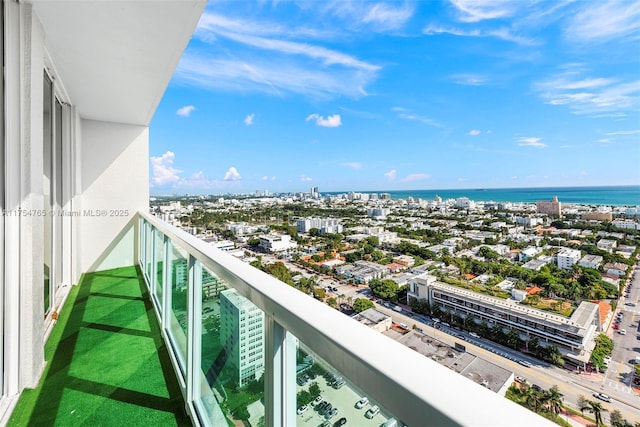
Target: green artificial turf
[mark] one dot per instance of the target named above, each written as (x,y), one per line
(106,362)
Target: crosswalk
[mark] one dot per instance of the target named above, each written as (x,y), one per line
(619,387)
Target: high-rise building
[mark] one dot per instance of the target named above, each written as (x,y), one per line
(553,207)
(79,84)
(242,335)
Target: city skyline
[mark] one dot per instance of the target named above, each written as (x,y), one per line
(398,96)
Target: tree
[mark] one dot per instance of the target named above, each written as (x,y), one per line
(513,339)
(596,409)
(319,293)
(386,289)
(582,403)
(331,302)
(362,304)
(533,399)
(314,389)
(554,399)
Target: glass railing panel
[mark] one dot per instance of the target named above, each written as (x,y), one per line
(325,397)
(232,356)
(159,263)
(149,252)
(177,314)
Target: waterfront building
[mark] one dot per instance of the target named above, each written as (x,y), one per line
(597,216)
(242,336)
(553,207)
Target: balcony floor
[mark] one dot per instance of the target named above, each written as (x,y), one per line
(106,362)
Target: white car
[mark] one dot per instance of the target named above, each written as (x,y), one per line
(622,332)
(362,402)
(372,412)
(302,409)
(602,397)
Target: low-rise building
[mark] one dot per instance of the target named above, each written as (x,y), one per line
(572,335)
(566,258)
(374,319)
(607,245)
(591,261)
(616,268)
(276,242)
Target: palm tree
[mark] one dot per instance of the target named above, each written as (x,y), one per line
(533,399)
(596,409)
(513,339)
(554,399)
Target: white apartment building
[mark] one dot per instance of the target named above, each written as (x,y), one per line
(626,224)
(607,245)
(572,335)
(378,213)
(591,261)
(324,225)
(242,335)
(276,242)
(419,287)
(566,258)
(465,203)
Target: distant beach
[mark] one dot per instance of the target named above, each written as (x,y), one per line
(624,195)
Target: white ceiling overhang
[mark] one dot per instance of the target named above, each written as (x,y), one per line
(115,58)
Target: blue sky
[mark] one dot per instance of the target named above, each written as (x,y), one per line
(373,96)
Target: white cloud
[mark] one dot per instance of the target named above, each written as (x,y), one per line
(185,111)
(469,79)
(232,174)
(385,17)
(462,179)
(474,132)
(500,33)
(403,113)
(598,97)
(163,172)
(249,119)
(330,122)
(265,178)
(624,132)
(478,10)
(266,59)
(415,177)
(305,178)
(605,140)
(391,175)
(353,165)
(531,141)
(605,20)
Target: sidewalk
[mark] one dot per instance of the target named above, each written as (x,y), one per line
(576,420)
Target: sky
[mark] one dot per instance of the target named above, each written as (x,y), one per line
(403,95)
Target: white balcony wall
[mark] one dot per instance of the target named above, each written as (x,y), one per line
(114,186)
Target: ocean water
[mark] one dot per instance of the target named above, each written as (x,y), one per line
(627,195)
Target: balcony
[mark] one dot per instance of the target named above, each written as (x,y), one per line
(194,327)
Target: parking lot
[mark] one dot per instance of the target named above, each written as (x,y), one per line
(344,399)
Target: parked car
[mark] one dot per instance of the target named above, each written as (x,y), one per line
(524,363)
(521,380)
(536,387)
(622,332)
(302,409)
(332,413)
(362,402)
(317,400)
(372,412)
(342,421)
